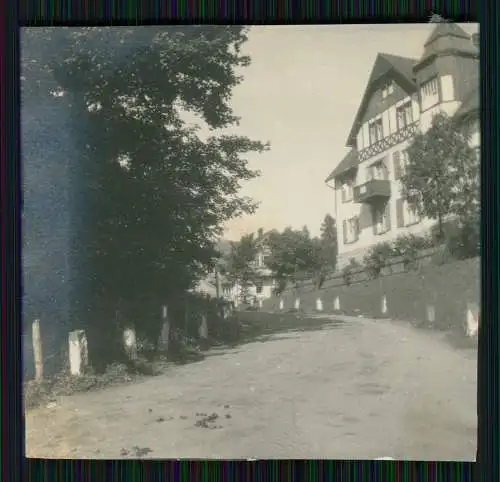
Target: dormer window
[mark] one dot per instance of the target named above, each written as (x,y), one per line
(387,90)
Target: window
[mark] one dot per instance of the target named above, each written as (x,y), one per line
(400,160)
(381,219)
(377,171)
(404,115)
(376,131)
(411,215)
(258,287)
(387,90)
(429,93)
(259,260)
(351,230)
(404,159)
(406,214)
(346,191)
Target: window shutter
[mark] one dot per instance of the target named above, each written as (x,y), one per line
(343,194)
(397,165)
(374,220)
(388,216)
(409,112)
(385,164)
(344,230)
(399,213)
(356,221)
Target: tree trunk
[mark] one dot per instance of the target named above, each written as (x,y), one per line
(440,228)
(105,337)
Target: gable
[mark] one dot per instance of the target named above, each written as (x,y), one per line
(376,104)
(386,67)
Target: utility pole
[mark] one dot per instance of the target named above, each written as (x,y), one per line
(217,283)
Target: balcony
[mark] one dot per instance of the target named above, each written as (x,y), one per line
(372,191)
(387,142)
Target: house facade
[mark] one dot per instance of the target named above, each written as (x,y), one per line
(400,100)
(260,290)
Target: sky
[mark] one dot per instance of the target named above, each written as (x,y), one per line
(301,94)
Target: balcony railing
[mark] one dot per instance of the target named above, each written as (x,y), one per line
(372,190)
(387,142)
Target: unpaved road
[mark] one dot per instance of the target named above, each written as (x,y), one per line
(360,389)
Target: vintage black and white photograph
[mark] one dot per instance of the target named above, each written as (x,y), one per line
(251,242)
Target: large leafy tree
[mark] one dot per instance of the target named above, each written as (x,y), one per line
(159,193)
(294,256)
(329,243)
(241,268)
(442,174)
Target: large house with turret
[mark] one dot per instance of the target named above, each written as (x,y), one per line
(401,98)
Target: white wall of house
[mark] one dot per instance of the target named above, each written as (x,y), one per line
(350,209)
(234,293)
(448,104)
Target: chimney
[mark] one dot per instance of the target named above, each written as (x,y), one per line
(475,40)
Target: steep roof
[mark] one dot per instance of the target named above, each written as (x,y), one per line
(402,67)
(445,37)
(350,161)
(446,29)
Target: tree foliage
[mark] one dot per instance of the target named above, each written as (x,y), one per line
(329,243)
(241,267)
(442,174)
(159,193)
(295,255)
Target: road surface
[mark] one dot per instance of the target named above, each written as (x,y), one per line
(356,390)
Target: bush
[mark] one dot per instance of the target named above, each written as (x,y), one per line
(442,256)
(408,246)
(463,241)
(348,271)
(377,258)
(449,228)
(63,384)
(280,287)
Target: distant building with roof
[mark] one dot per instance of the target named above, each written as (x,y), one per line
(264,283)
(401,98)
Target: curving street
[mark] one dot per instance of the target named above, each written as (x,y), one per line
(355,389)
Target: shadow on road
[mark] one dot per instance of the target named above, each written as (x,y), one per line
(254,327)
(259,327)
